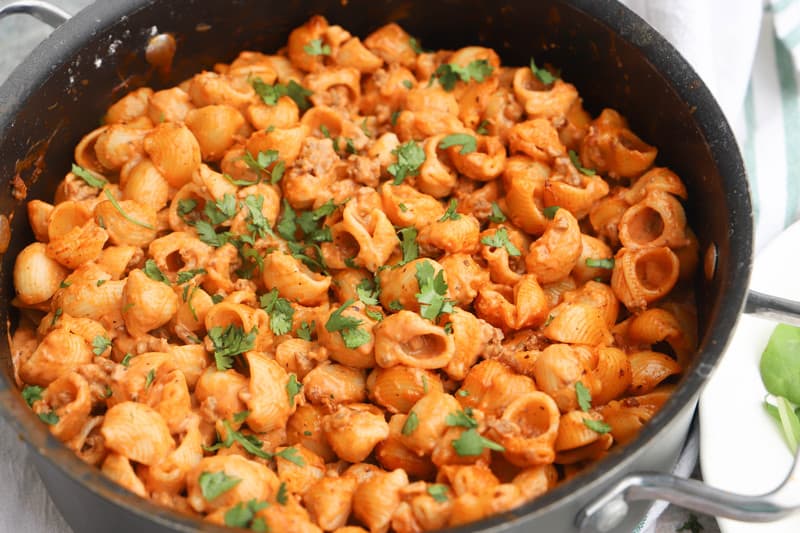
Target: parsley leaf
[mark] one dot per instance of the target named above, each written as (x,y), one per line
(282,497)
(352,335)
(261,163)
(207,234)
(497,216)
(51,418)
(472,443)
(213,484)
(123,213)
(271,93)
(88,177)
(148,380)
(416,46)
(410,157)
(412,422)
(243,515)
(241,416)
(393,118)
(127,359)
(100,344)
(461,418)
(287,225)
(221,210)
(152,271)
(408,244)
(550,212)
(187,275)
(598,426)
(293,388)
(395,305)
(367,291)
(186,206)
(608,264)
(467,142)
(451,213)
(584,396)
(229,342)
(58,312)
(432,292)
(304,331)
(542,73)
(32,393)
(438,492)
(280,312)
(573,156)
(500,240)
(482,130)
(290,454)
(317,48)
(448,74)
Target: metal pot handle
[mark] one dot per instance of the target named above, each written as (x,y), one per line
(44,11)
(608,511)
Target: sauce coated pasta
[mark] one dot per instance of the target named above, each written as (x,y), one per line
(355,285)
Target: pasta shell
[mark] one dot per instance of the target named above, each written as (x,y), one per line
(137,432)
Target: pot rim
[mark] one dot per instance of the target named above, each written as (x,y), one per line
(675,72)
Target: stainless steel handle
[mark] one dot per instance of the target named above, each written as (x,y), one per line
(609,511)
(44,11)
(772,308)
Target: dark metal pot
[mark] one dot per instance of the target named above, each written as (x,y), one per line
(615,59)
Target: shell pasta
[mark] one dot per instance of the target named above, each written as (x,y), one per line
(355,285)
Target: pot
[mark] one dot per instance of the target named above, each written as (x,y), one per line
(610,54)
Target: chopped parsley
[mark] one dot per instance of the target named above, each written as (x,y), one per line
(573,156)
(438,492)
(608,264)
(497,216)
(152,271)
(213,484)
(187,275)
(395,305)
(271,93)
(448,74)
(543,74)
(347,326)
(410,157)
(416,46)
(88,177)
(293,388)
(598,426)
(243,515)
(407,84)
(550,212)
(472,443)
(467,142)
(290,454)
(51,418)
(100,282)
(56,315)
(461,418)
(411,424)
(304,331)
(317,48)
(229,342)
(32,393)
(451,213)
(261,163)
(65,284)
(127,359)
(481,130)
(125,215)
(282,496)
(280,312)
(241,416)
(393,118)
(100,344)
(432,294)
(148,380)
(500,240)
(367,291)
(408,244)
(584,396)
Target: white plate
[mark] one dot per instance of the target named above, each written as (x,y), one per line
(741,447)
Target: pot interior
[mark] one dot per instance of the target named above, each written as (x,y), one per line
(62,90)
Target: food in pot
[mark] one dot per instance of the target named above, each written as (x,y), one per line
(355,283)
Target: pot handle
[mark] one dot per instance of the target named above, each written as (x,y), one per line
(608,512)
(44,11)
